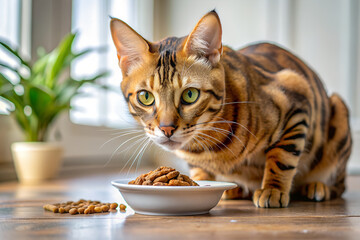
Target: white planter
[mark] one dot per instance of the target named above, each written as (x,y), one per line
(36,161)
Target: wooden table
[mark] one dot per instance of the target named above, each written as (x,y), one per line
(22,216)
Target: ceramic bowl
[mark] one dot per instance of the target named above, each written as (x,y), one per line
(172,200)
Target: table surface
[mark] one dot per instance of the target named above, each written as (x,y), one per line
(22,215)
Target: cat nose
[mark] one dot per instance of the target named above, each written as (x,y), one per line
(168,130)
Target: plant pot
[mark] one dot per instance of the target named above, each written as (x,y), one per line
(36,162)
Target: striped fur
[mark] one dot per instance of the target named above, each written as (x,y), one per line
(263,118)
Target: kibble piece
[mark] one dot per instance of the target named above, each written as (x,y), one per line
(67,208)
(97,209)
(180,177)
(161,179)
(73,211)
(91,207)
(139,180)
(105,208)
(147,182)
(175,182)
(160,184)
(122,207)
(51,208)
(172,174)
(113,206)
(163,176)
(61,210)
(189,180)
(81,210)
(158,172)
(82,207)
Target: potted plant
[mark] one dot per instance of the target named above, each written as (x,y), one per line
(41,92)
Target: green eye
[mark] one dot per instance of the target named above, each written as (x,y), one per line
(146,98)
(190,95)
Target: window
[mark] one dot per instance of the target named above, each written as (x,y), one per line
(9,33)
(90,19)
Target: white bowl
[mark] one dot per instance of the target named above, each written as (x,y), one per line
(172,200)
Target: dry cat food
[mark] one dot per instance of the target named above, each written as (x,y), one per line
(164,176)
(82,207)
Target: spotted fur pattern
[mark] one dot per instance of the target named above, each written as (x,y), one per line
(262,120)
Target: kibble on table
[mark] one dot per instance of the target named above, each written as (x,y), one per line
(82,207)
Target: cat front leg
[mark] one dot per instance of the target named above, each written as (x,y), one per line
(281,162)
(197,173)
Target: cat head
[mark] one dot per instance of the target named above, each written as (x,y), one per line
(175,86)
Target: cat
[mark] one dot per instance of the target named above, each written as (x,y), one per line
(259,116)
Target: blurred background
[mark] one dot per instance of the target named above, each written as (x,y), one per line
(324,33)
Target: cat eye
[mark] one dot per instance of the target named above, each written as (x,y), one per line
(190,95)
(146,98)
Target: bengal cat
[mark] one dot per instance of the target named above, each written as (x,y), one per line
(259,116)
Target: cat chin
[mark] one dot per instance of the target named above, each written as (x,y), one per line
(169,145)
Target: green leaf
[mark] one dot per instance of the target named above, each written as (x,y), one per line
(57,59)
(74,56)
(70,88)
(89,50)
(40,101)
(19,115)
(94,78)
(4,80)
(15,53)
(40,65)
(6,88)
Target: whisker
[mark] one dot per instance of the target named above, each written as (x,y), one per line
(205,143)
(229,122)
(141,150)
(217,131)
(116,138)
(207,140)
(203,147)
(238,124)
(138,163)
(224,130)
(112,155)
(142,140)
(117,129)
(228,103)
(206,135)
(139,130)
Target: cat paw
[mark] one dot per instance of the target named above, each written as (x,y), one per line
(270,198)
(316,191)
(235,193)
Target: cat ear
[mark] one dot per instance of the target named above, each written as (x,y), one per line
(205,38)
(132,49)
